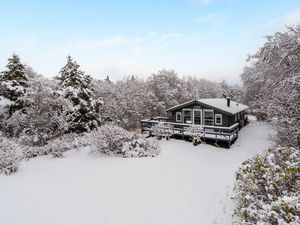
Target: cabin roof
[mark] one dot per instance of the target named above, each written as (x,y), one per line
(218,103)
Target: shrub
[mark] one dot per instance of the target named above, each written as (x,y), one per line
(162,130)
(10,156)
(139,146)
(267,188)
(31,152)
(57,146)
(115,141)
(109,139)
(196,133)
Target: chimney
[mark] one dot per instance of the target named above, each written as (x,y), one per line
(228,101)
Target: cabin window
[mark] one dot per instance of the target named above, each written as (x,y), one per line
(239,116)
(197,116)
(178,116)
(208,117)
(218,119)
(235,118)
(187,116)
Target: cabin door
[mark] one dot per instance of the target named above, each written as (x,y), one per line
(197,116)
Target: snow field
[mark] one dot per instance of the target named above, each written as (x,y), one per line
(185,185)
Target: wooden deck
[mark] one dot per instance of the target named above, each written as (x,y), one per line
(213,134)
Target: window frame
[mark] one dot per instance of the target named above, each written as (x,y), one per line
(221,117)
(201,119)
(213,116)
(178,113)
(190,110)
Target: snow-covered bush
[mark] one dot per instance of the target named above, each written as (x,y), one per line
(31,152)
(57,146)
(140,146)
(267,188)
(66,142)
(161,130)
(10,156)
(112,140)
(196,133)
(109,139)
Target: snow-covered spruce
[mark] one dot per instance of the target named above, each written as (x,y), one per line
(77,87)
(267,188)
(13,85)
(113,140)
(10,156)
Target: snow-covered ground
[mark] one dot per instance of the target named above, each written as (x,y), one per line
(185,185)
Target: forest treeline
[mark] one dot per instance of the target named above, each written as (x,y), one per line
(267,187)
(37,109)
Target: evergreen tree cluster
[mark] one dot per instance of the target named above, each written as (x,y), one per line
(77,88)
(36,109)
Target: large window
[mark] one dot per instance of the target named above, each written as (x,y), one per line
(178,116)
(187,116)
(197,116)
(208,117)
(218,119)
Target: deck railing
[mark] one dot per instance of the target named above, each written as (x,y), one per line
(216,133)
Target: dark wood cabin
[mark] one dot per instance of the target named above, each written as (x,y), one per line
(220,119)
(210,112)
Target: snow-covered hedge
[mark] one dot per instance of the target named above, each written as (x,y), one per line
(267,188)
(65,143)
(112,140)
(57,146)
(10,156)
(139,146)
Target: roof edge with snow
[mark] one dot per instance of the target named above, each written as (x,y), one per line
(217,103)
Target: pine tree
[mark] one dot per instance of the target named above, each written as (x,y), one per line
(77,87)
(107,79)
(13,85)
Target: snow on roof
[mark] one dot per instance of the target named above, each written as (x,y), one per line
(221,103)
(218,103)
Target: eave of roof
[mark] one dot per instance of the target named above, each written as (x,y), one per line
(208,105)
(182,105)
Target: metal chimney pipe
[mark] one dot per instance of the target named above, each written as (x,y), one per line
(228,102)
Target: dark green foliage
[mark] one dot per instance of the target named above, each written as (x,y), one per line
(13,84)
(77,87)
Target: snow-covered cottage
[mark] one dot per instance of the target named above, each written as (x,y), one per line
(211,112)
(220,119)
